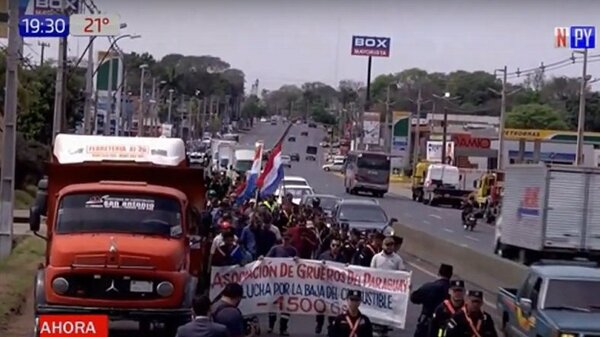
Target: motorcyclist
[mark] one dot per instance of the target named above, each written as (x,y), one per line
(468,208)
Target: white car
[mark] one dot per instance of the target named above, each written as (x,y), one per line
(324,144)
(263,120)
(286,161)
(294,181)
(336,166)
(297,192)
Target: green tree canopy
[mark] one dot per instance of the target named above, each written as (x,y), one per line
(535,116)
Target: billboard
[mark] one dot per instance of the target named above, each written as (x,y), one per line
(371,46)
(401,123)
(371,128)
(55,6)
(434,151)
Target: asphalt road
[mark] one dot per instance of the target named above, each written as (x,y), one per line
(444,222)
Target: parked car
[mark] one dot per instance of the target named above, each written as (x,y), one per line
(304,133)
(295,157)
(291,139)
(336,166)
(312,125)
(324,144)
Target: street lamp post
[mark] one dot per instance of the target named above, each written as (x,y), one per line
(171,91)
(447,97)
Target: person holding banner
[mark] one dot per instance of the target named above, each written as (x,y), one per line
(444,312)
(471,320)
(332,254)
(352,323)
(365,254)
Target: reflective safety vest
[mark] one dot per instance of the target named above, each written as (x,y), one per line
(268,205)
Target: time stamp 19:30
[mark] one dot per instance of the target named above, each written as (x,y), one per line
(63,25)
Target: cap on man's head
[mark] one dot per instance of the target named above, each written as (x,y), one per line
(457,284)
(475,293)
(446,270)
(354,294)
(388,241)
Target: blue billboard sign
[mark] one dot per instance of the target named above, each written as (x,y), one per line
(371,46)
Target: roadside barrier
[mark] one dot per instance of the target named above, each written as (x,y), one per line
(485,270)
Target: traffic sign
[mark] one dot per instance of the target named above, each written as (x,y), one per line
(95,25)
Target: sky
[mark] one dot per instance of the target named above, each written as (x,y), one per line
(292,42)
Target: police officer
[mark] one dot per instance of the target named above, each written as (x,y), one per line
(365,254)
(430,295)
(471,320)
(352,323)
(444,312)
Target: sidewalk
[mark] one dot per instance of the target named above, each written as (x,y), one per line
(401,189)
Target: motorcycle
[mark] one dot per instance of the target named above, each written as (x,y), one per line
(470,222)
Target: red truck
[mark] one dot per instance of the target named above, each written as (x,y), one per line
(122,219)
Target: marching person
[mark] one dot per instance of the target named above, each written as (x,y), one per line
(352,323)
(430,296)
(388,259)
(332,254)
(444,312)
(202,325)
(364,256)
(471,320)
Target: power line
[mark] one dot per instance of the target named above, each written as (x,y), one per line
(544,68)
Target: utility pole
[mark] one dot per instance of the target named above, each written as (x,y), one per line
(500,157)
(581,118)
(169,114)
(7,187)
(444,135)
(59,86)
(109,89)
(89,88)
(417,143)
(388,129)
(43,45)
(123,100)
(141,110)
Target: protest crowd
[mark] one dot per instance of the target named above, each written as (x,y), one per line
(246,230)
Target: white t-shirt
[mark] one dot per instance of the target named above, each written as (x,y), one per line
(387,262)
(217,242)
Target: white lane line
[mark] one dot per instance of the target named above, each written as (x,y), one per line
(435,216)
(426,222)
(449,230)
(433,275)
(471,238)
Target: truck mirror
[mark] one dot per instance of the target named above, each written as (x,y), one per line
(41,196)
(526,305)
(35,219)
(475,183)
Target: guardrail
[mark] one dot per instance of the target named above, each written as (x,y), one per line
(487,271)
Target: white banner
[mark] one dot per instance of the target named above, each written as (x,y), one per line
(434,151)
(371,128)
(308,287)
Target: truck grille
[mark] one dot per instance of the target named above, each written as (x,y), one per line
(108,287)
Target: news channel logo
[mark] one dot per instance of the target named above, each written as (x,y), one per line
(371,46)
(575,37)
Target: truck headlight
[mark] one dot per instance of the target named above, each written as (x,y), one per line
(165,289)
(60,285)
(565,334)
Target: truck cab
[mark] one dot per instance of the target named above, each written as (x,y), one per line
(442,186)
(122,230)
(556,299)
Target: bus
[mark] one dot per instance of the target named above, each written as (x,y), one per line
(367,172)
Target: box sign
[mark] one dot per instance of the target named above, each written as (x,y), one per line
(466,141)
(55,6)
(371,46)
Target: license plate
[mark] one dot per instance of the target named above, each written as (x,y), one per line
(141,286)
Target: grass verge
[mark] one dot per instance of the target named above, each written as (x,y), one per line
(25,198)
(16,276)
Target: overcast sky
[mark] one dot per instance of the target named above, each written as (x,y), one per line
(296,41)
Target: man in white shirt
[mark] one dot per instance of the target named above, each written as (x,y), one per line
(388,259)
(218,240)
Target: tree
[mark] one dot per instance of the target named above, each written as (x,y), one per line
(535,116)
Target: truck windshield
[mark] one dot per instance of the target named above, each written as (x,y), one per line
(119,213)
(584,294)
(243,165)
(373,162)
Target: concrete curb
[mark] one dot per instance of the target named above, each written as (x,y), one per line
(485,270)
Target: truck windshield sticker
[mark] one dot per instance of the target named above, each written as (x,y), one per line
(106,201)
(529,205)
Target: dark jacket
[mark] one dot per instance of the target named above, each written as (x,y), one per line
(442,314)
(458,326)
(202,327)
(327,256)
(364,256)
(341,327)
(431,295)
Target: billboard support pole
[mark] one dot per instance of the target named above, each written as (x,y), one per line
(368,98)
(444,135)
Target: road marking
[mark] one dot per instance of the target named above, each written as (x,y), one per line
(449,230)
(426,222)
(471,238)
(435,216)
(433,275)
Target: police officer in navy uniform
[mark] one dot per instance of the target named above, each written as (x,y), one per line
(471,320)
(444,312)
(352,323)
(430,296)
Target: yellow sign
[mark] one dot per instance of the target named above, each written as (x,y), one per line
(103,55)
(398,115)
(517,134)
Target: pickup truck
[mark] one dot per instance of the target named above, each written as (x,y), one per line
(558,299)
